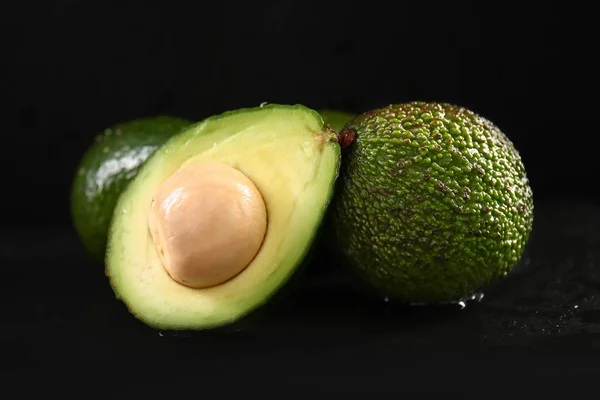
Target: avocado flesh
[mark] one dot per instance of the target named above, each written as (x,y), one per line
(106,168)
(433,203)
(294,163)
(336,119)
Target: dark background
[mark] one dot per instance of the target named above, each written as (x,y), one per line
(73,68)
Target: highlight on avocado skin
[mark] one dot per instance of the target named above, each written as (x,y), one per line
(433,202)
(107,167)
(220,217)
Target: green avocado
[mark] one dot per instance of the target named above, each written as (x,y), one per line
(433,202)
(106,168)
(291,158)
(336,119)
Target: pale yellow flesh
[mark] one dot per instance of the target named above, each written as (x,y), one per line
(270,151)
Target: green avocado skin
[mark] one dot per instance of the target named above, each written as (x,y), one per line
(336,119)
(433,204)
(106,168)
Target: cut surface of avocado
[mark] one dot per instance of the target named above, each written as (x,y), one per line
(291,159)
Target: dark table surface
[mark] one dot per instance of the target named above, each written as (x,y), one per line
(538,330)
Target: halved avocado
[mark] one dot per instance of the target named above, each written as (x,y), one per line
(293,161)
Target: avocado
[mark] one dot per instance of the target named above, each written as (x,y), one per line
(433,202)
(106,168)
(221,216)
(336,119)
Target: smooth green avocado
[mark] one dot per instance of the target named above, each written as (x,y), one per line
(291,159)
(433,202)
(106,168)
(336,119)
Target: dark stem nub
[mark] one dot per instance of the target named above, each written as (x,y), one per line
(348,137)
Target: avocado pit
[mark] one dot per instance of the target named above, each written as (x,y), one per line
(208,221)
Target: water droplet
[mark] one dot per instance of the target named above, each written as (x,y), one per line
(462,304)
(386,299)
(477,297)
(161,334)
(575,306)
(264,103)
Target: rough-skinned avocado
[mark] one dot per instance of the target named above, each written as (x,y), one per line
(106,168)
(293,160)
(433,202)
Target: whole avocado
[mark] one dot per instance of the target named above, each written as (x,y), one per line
(433,204)
(336,119)
(106,168)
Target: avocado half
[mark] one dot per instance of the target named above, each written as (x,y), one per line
(293,160)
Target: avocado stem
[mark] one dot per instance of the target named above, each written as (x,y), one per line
(348,137)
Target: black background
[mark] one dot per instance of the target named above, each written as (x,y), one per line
(75,68)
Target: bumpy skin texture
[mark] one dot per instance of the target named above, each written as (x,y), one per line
(107,167)
(434,203)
